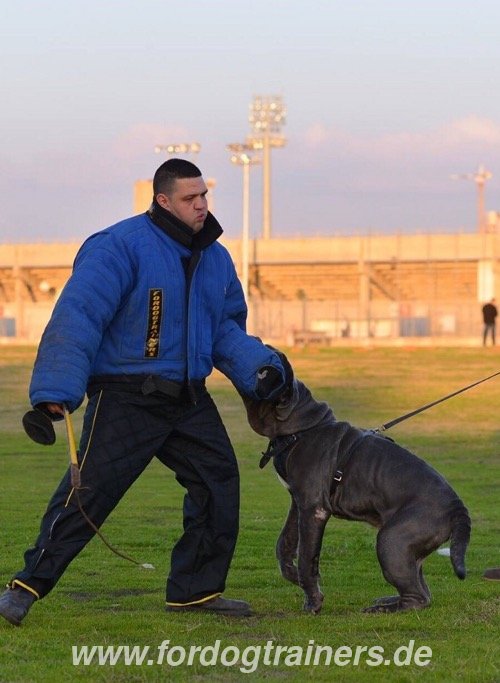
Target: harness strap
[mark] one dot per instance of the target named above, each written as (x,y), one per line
(339,474)
(338,477)
(276,447)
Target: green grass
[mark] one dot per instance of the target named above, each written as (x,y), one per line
(104,600)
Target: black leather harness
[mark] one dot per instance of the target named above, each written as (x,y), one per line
(280,447)
(276,447)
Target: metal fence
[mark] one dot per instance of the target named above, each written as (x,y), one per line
(326,322)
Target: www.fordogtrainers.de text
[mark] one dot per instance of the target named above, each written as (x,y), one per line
(251,657)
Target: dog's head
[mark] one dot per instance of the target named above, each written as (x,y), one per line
(292,411)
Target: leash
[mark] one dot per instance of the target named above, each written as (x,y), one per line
(77,487)
(390,424)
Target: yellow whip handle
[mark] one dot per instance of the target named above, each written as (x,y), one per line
(75,470)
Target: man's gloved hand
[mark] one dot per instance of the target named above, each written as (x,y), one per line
(269,382)
(38,425)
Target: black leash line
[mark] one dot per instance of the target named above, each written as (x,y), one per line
(390,424)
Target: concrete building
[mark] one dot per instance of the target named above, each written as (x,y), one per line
(308,290)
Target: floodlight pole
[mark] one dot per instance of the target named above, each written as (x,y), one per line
(480,178)
(266,187)
(241,155)
(245,233)
(267,115)
(480,181)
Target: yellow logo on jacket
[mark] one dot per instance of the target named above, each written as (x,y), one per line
(155,308)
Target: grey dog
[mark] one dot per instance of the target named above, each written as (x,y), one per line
(334,469)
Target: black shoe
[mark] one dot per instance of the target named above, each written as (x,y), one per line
(15,604)
(220,605)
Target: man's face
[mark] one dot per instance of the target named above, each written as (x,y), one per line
(187,201)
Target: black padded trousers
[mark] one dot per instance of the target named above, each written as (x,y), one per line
(122,432)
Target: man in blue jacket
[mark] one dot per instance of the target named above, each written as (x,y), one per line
(153,304)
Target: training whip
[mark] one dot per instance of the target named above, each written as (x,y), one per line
(74,469)
(390,424)
(77,487)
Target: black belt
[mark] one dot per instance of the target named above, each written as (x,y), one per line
(148,384)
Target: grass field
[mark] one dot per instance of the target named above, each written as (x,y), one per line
(102,600)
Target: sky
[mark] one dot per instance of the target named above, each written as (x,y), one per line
(386,100)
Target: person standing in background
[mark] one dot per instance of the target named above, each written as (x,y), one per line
(489,319)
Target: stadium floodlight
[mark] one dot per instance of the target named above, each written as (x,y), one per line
(480,177)
(242,155)
(267,115)
(180,148)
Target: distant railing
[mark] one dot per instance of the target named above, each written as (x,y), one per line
(322,323)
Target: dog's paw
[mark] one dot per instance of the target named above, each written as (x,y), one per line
(382,608)
(396,603)
(313,604)
(387,600)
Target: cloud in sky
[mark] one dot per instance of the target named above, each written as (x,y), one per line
(408,159)
(364,179)
(451,138)
(385,101)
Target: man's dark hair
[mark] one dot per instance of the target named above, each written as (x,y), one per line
(170,171)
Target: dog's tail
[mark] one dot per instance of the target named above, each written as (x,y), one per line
(460,535)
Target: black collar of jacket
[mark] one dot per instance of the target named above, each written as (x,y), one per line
(182,233)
